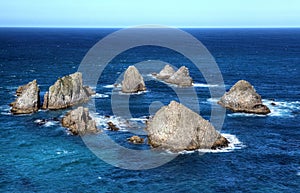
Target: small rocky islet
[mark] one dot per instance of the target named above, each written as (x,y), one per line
(173,127)
(242,97)
(180,78)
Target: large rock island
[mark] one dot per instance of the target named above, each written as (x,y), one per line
(242,97)
(176,127)
(66,92)
(28,99)
(133,81)
(79,122)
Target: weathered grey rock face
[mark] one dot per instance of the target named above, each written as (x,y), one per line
(165,73)
(181,77)
(242,97)
(133,81)
(67,91)
(28,99)
(45,103)
(178,128)
(79,122)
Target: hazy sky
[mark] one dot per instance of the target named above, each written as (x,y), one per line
(123,13)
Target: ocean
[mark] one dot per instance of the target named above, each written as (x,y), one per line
(264,155)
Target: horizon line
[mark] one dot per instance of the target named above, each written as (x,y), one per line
(183,27)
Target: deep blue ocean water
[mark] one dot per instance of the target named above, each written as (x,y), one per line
(45,158)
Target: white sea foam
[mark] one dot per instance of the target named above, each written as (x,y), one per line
(204,85)
(102,121)
(212,100)
(112,86)
(49,124)
(137,93)
(109,86)
(46,123)
(99,95)
(282,108)
(5,110)
(139,119)
(234,144)
(277,108)
(59,152)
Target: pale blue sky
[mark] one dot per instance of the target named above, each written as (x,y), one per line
(124,13)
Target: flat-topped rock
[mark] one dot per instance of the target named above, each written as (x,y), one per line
(66,92)
(133,81)
(242,97)
(79,122)
(176,127)
(28,99)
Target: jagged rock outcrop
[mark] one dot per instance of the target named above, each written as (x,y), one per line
(112,127)
(181,77)
(177,128)
(28,99)
(242,97)
(79,122)
(67,91)
(133,81)
(135,139)
(165,73)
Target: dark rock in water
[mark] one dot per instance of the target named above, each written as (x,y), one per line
(112,127)
(89,91)
(136,139)
(28,99)
(181,77)
(107,116)
(133,81)
(165,73)
(44,121)
(220,143)
(242,97)
(273,104)
(67,91)
(177,128)
(79,122)
(41,121)
(116,85)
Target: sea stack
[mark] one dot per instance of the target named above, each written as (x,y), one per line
(66,92)
(176,128)
(79,122)
(180,78)
(28,99)
(165,73)
(133,81)
(242,97)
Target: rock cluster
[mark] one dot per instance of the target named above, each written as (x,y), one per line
(177,128)
(133,81)
(181,77)
(166,72)
(242,97)
(66,92)
(28,99)
(79,122)
(135,140)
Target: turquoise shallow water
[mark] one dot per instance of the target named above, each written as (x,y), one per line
(44,158)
